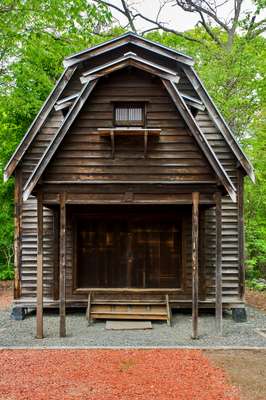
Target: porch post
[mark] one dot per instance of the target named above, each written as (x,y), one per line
(195,263)
(218,300)
(39,308)
(62,266)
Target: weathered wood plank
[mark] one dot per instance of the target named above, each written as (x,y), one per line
(56,253)
(195,263)
(62,266)
(241,235)
(39,310)
(17,236)
(218,280)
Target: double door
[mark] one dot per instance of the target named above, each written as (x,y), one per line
(132,250)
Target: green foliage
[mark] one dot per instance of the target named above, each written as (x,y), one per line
(256,284)
(6,273)
(255,199)
(37,35)
(234,79)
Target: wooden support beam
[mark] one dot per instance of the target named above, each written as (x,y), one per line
(145,143)
(218,300)
(62,266)
(195,263)
(39,310)
(112,136)
(56,252)
(202,254)
(88,312)
(241,235)
(17,238)
(168,308)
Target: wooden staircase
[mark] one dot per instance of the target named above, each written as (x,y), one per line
(128,309)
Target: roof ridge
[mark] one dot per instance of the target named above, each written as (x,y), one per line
(70,59)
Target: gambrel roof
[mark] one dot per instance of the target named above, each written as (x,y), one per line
(127,38)
(90,74)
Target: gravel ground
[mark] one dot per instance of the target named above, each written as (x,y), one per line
(22,333)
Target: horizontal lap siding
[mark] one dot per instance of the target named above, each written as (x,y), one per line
(230,253)
(29,250)
(86,155)
(29,218)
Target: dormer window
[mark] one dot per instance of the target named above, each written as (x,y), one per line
(129,114)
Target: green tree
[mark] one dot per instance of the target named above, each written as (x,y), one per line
(255,200)
(35,37)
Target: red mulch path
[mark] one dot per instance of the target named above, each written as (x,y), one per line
(111,374)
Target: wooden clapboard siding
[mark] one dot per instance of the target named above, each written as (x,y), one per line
(84,140)
(29,250)
(230,255)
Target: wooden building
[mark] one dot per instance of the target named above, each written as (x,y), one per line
(129,191)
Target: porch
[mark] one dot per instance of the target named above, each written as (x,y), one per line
(131,253)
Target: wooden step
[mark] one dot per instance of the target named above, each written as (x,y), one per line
(129,310)
(128,302)
(130,317)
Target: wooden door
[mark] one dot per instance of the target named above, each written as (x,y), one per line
(130,251)
(156,254)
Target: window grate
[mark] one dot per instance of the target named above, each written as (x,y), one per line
(129,115)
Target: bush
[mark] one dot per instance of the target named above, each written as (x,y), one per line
(256,284)
(6,273)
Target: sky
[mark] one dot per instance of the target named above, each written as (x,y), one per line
(174,16)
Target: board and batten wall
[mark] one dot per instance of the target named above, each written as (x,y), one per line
(171,123)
